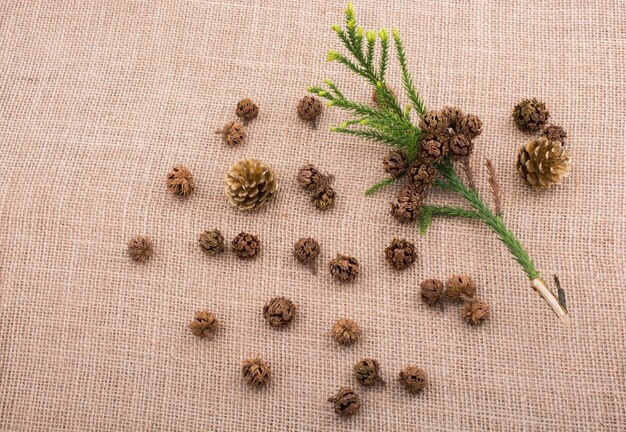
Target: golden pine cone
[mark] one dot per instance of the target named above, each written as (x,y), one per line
(543,163)
(250,183)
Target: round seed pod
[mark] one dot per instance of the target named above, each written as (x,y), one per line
(324,197)
(346,332)
(406,206)
(344,268)
(431,291)
(309,177)
(306,249)
(452,117)
(459,287)
(247,110)
(256,372)
(460,147)
(246,245)
(395,163)
(367,371)
(204,324)
(309,108)
(434,149)
(530,115)
(346,402)
(432,122)
(554,133)
(471,126)
(400,253)
(234,133)
(211,241)
(422,174)
(179,181)
(279,311)
(475,312)
(414,379)
(140,248)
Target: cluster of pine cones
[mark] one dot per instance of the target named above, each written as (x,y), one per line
(446,133)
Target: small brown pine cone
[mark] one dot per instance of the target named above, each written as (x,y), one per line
(407,205)
(256,372)
(279,311)
(554,133)
(324,197)
(460,287)
(306,249)
(432,122)
(400,253)
(474,312)
(460,147)
(204,324)
(423,175)
(140,248)
(471,126)
(346,402)
(180,181)
(247,110)
(211,242)
(344,268)
(246,245)
(234,133)
(309,108)
(395,163)
(346,332)
(309,177)
(367,371)
(435,148)
(431,291)
(452,117)
(530,115)
(414,379)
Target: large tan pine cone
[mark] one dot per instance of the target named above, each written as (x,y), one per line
(543,163)
(250,183)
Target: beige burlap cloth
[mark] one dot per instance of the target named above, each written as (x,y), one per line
(99,99)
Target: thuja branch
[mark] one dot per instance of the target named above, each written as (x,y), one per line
(420,151)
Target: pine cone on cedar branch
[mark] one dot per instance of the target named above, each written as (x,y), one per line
(543,163)
(250,183)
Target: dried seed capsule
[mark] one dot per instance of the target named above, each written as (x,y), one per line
(180,181)
(414,379)
(431,291)
(324,197)
(279,311)
(530,115)
(460,286)
(246,245)
(344,268)
(140,248)
(204,324)
(211,241)
(256,372)
(309,177)
(247,110)
(367,371)
(306,249)
(309,108)
(346,332)
(475,312)
(400,253)
(346,402)
(234,133)
(395,163)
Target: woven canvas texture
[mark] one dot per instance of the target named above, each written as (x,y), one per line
(99,99)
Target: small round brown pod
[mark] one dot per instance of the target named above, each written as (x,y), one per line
(234,133)
(346,332)
(306,249)
(204,324)
(395,163)
(309,177)
(211,241)
(400,253)
(279,311)
(471,126)
(432,122)
(256,372)
(367,371)
(414,379)
(346,402)
(434,149)
(247,110)
(179,181)
(530,115)
(324,197)
(460,147)
(140,248)
(309,108)
(459,287)
(246,245)
(554,133)
(431,291)
(452,117)
(475,312)
(344,268)
(406,206)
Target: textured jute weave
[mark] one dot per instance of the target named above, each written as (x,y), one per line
(99,99)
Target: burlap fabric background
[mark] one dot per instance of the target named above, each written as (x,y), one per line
(98,100)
